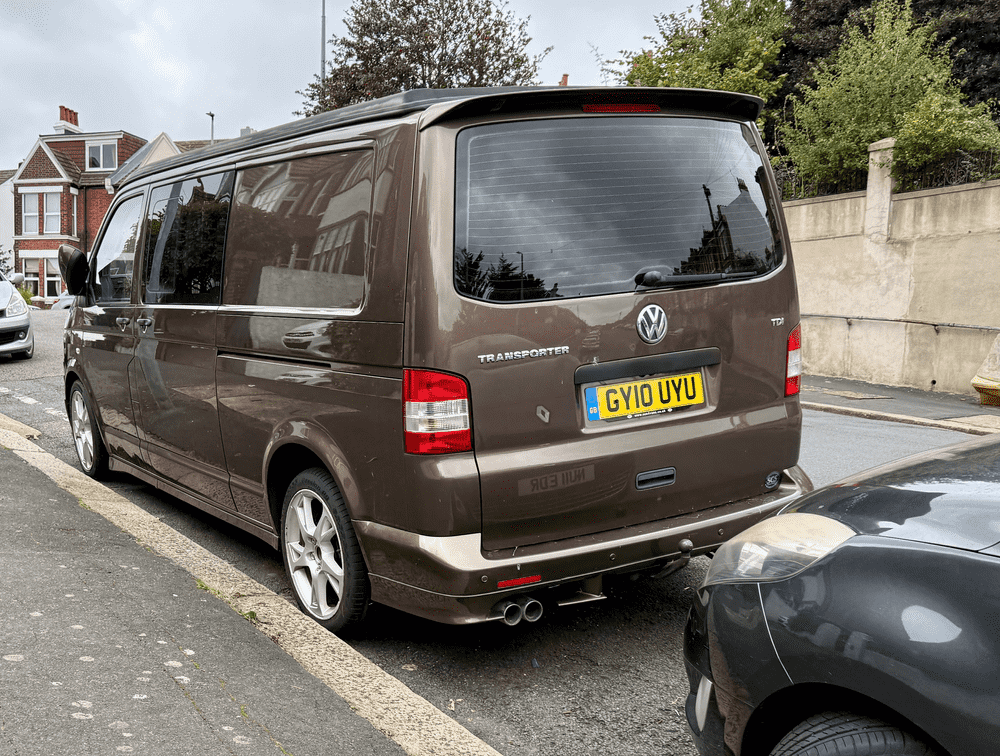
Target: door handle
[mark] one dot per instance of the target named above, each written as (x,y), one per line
(122,323)
(144,323)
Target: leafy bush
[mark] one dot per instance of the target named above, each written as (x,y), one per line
(938,126)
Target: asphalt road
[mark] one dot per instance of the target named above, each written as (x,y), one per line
(601,677)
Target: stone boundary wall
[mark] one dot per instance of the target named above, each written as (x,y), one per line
(899,289)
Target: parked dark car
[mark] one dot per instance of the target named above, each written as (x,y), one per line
(16,338)
(863,619)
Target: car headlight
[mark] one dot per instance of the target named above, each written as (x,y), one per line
(16,305)
(776,548)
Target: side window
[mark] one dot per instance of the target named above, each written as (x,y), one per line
(185,241)
(116,253)
(299,232)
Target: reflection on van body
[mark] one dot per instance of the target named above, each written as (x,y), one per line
(389,341)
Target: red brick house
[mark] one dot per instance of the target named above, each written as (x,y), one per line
(61,194)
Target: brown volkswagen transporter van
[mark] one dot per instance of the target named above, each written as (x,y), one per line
(461,352)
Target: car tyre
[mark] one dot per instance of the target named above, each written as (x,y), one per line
(86,436)
(321,553)
(845,734)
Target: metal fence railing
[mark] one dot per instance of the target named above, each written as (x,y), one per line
(795,187)
(960,168)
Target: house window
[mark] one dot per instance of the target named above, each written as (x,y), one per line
(30,269)
(52,212)
(29,214)
(102,157)
(74,216)
(53,281)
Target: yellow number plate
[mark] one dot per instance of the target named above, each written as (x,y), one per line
(644,397)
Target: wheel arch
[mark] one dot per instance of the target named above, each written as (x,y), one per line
(786,708)
(73,376)
(297,446)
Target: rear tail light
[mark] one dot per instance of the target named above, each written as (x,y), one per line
(435,413)
(793,371)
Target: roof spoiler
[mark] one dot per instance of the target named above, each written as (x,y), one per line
(535,99)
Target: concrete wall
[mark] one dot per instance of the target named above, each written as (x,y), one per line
(899,289)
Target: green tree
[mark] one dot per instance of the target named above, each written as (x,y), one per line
(969,30)
(730,44)
(972,29)
(397,45)
(815,30)
(886,79)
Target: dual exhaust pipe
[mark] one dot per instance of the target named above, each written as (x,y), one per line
(512,611)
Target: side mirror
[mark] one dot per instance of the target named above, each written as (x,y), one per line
(74,268)
(16,278)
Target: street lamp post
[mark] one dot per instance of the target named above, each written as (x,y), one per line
(212,116)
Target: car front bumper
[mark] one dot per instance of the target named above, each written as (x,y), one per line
(16,334)
(731,664)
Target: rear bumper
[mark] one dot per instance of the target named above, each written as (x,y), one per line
(450,579)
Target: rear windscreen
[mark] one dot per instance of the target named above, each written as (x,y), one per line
(587,206)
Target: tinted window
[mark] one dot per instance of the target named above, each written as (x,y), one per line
(579,207)
(186,239)
(299,233)
(116,253)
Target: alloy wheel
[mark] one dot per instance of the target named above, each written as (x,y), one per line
(314,554)
(83,433)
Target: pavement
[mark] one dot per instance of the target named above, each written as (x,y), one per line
(958,412)
(108,645)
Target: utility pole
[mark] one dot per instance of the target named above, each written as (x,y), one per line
(322,53)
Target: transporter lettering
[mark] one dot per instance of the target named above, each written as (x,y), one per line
(523,354)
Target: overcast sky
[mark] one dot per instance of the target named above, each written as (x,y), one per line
(145,66)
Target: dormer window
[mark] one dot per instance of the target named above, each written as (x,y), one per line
(102,157)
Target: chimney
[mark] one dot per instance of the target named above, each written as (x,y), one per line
(565,81)
(69,121)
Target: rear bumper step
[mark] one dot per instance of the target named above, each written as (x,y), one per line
(450,579)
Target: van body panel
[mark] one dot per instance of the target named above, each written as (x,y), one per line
(106,349)
(311,339)
(174,389)
(263,402)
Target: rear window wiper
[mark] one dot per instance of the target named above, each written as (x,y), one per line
(652,278)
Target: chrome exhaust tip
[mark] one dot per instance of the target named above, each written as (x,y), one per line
(510,612)
(531,608)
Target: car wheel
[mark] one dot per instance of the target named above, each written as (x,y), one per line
(87,439)
(321,552)
(845,734)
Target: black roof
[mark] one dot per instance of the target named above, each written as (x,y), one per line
(471,100)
